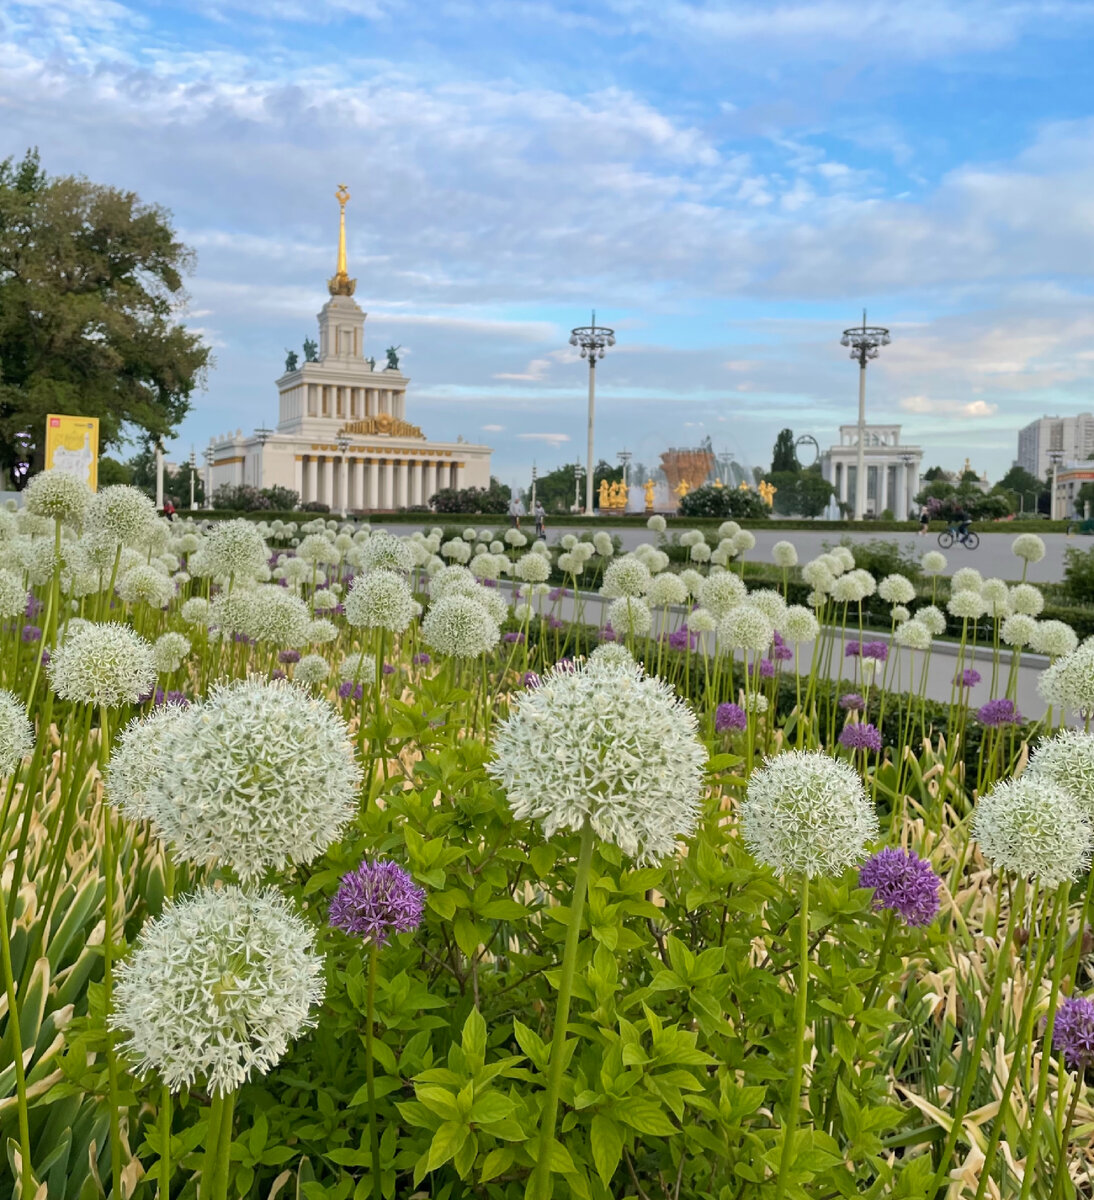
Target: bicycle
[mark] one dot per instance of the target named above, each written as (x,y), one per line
(968,539)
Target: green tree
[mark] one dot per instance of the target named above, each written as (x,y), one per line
(555,490)
(800,493)
(709,501)
(111,471)
(90,290)
(784,457)
(933,473)
(1024,490)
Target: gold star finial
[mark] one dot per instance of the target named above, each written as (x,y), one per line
(341,284)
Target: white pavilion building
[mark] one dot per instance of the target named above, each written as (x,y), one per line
(892,469)
(342,436)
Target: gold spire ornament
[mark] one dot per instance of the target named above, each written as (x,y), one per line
(340,283)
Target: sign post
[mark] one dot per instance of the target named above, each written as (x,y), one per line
(72,445)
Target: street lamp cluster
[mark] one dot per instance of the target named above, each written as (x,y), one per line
(865,342)
(594,341)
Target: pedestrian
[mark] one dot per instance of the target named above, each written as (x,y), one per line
(541,517)
(516,511)
(169,509)
(924,519)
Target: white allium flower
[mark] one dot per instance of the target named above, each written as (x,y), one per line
(381,599)
(123,514)
(608,745)
(58,495)
(296,570)
(728,529)
(568,564)
(320,631)
(934,562)
(495,602)
(469,534)
(1032,827)
(816,599)
(721,593)
(691,537)
(896,589)
(568,541)
(385,552)
(1028,546)
(657,523)
(268,614)
(667,589)
(700,552)
(188,543)
(1018,630)
(33,524)
(13,595)
(324,599)
(1069,681)
(1054,638)
(626,576)
(817,574)
(805,812)
(106,665)
(457,550)
(16,734)
(743,540)
(195,611)
(631,616)
(524,613)
(256,776)
(656,561)
(316,548)
(784,554)
(169,650)
(865,580)
(533,568)
(702,620)
(603,544)
(483,566)
(540,547)
(798,625)
(146,585)
(613,654)
(996,595)
(311,670)
(514,538)
(769,602)
(966,579)
(234,549)
(693,581)
(497,547)
(933,617)
(848,589)
(141,751)
(1025,598)
(836,564)
(357,668)
(756,702)
(460,626)
(899,613)
(1067,760)
(745,628)
(914,635)
(217,988)
(966,604)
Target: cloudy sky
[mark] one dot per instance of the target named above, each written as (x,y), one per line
(728,183)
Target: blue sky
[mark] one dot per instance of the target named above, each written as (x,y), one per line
(727,183)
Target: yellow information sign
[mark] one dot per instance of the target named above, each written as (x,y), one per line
(72,445)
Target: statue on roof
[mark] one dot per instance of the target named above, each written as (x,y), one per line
(340,283)
(392,358)
(290,360)
(311,350)
(371,363)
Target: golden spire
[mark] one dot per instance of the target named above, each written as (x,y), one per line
(341,284)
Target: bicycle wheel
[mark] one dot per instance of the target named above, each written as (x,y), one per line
(945,539)
(972,540)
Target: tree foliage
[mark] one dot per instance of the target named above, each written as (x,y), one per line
(492,499)
(90,292)
(933,473)
(710,501)
(242,497)
(800,493)
(784,456)
(555,490)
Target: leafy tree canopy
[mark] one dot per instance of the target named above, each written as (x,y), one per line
(710,501)
(90,291)
(492,499)
(555,490)
(933,473)
(784,456)
(800,493)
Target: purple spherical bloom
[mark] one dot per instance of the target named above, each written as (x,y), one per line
(278,675)
(557,594)
(903,882)
(852,701)
(782,652)
(860,737)
(243,639)
(728,717)
(998,712)
(530,679)
(45,657)
(288,656)
(31,633)
(968,678)
(489,583)
(348,690)
(513,636)
(878,650)
(377,900)
(607,634)
(388,669)
(421,659)
(33,606)
(852,650)
(178,698)
(1073,1033)
(683,639)
(553,622)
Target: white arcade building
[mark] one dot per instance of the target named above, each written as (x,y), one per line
(342,436)
(892,469)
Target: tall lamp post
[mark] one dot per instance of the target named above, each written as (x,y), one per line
(342,441)
(594,341)
(263,436)
(159,476)
(909,495)
(533,487)
(1055,457)
(865,342)
(207,454)
(625,457)
(193,474)
(579,474)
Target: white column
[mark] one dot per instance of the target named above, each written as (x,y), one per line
(883,487)
(402,484)
(343,490)
(357,483)
(370,470)
(457,475)
(298,476)
(416,482)
(311,479)
(328,481)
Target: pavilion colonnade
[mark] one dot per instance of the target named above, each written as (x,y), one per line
(373,482)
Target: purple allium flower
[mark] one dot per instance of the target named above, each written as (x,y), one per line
(376,900)
(243,639)
(998,712)
(553,622)
(530,679)
(288,656)
(765,668)
(34,606)
(489,583)
(729,716)
(852,650)
(388,669)
(860,737)
(878,650)
(278,675)
(178,698)
(782,652)
(903,882)
(968,678)
(607,634)
(348,690)
(683,639)
(1073,1033)
(559,593)
(513,636)
(852,701)
(421,659)
(31,633)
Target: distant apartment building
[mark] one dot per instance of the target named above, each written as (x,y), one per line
(1072,436)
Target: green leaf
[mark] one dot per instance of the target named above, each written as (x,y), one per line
(532,1044)
(493,1106)
(443,904)
(466,934)
(438,1100)
(446,1141)
(606,1139)
(474,1039)
(495,1163)
(646,1117)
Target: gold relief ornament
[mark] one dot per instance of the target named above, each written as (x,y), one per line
(382,425)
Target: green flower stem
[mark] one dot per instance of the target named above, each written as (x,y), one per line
(109,937)
(798,1050)
(1060,1172)
(218,1149)
(541,1183)
(1073,973)
(370,1073)
(166,1102)
(26,1173)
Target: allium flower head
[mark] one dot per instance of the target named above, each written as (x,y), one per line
(1073,1032)
(381,599)
(630,617)
(1029,547)
(998,712)
(656,523)
(146,585)
(1069,681)
(320,631)
(1018,629)
(701,620)
(769,602)
(857,736)
(666,589)
(966,579)
(235,549)
(514,538)
(852,702)
(1025,598)
(904,883)
(896,589)
(743,541)
(533,568)
(933,617)
(58,495)
(818,575)
(169,650)
(16,735)
(217,988)
(376,900)
(699,553)
(275,616)
(316,548)
(360,668)
(848,589)
(626,576)
(106,665)
(746,628)
(460,626)
(966,604)
(122,515)
(1032,827)
(1067,760)
(996,595)
(311,670)
(806,812)
(900,613)
(138,756)
(969,677)
(606,744)
(729,717)
(1054,638)
(13,595)
(933,562)
(784,554)
(613,654)
(721,593)
(603,544)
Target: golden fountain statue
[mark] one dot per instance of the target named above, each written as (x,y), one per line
(340,283)
(648,487)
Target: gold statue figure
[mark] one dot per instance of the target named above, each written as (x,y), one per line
(648,488)
(603,493)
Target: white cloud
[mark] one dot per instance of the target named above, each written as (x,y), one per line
(926,404)
(492,428)
(552,439)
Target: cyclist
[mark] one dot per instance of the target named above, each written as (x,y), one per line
(961,521)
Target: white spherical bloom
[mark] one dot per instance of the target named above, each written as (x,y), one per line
(720,558)
(469,534)
(656,561)
(691,537)
(756,702)
(497,547)
(16,734)
(805,812)
(626,576)
(169,650)
(769,602)
(996,595)
(1025,598)
(743,540)
(570,564)
(1069,681)
(235,548)
(584,551)
(933,617)
(966,579)
(57,495)
(1032,827)
(124,514)
(9,526)
(798,625)
(457,550)
(524,613)
(603,544)
(816,599)
(667,589)
(608,745)
(865,580)
(700,552)
(297,571)
(195,611)
(484,566)
(914,635)
(30,524)
(630,616)
(495,602)
(169,562)
(533,568)
(272,615)
(188,543)
(836,564)
(848,589)
(693,581)
(540,547)
(357,668)
(385,552)
(1028,546)
(452,579)
(845,555)
(728,529)
(217,988)
(896,589)
(146,585)
(257,776)
(460,626)
(141,751)
(311,670)
(657,523)
(784,554)
(514,538)
(817,574)
(324,599)
(381,599)
(13,595)
(900,613)
(33,556)
(702,620)
(745,628)
(316,548)
(568,541)
(1054,638)
(320,631)
(106,665)
(934,562)
(968,605)
(1018,629)
(1067,760)
(721,593)
(612,654)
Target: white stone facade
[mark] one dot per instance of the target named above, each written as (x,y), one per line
(892,469)
(1073,437)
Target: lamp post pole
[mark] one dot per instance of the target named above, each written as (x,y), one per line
(594,341)
(159,476)
(533,487)
(193,474)
(625,457)
(579,474)
(263,436)
(909,495)
(1054,457)
(865,342)
(207,454)
(343,485)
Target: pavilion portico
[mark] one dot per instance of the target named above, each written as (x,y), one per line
(892,469)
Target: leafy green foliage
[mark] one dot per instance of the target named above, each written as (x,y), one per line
(493,499)
(710,501)
(784,455)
